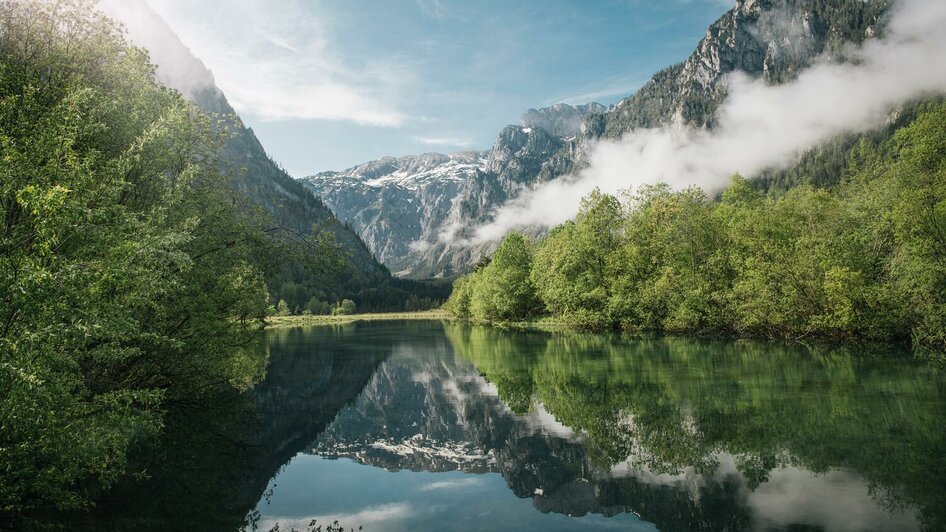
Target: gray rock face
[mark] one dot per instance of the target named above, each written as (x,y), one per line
(768,39)
(561,120)
(410,210)
(399,205)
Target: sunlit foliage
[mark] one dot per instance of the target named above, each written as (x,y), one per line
(129,267)
(865,259)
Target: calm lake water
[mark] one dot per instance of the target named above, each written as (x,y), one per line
(439,426)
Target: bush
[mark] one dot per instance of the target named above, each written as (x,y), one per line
(345,307)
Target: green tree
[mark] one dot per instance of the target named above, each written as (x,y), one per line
(502,290)
(577,262)
(345,308)
(282,308)
(127,260)
(459,301)
(862,260)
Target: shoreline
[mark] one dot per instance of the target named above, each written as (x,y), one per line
(551,325)
(277,322)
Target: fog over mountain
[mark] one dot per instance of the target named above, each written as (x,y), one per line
(735,105)
(758,125)
(401,206)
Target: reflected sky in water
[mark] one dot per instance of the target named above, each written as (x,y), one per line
(468,428)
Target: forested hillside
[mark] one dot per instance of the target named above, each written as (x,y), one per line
(861,260)
(293,209)
(129,268)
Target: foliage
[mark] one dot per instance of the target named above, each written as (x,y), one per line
(131,268)
(502,290)
(345,307)
(574,263)
(282,308)
(863,260)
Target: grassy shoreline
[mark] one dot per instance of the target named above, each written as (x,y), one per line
(275,322)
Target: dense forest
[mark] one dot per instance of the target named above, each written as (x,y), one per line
(133,269)
(862,260)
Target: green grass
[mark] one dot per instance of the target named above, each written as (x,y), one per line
(273,322)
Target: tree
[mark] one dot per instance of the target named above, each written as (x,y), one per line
(282,308)
(863,259)
(126,258)
(345,307)
(458,303)
(502,290)
(575,264)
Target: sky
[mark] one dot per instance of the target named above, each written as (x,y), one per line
(326,85)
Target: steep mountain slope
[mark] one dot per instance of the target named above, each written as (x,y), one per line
(768,39)
(397,203)
(290,204)
(561,120)
(282,197)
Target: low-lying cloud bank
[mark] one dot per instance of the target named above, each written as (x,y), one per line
(759,126)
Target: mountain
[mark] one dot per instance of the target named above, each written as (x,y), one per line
(402,206)
(291,205)
(463,406)
(768,39)
(561,120)
(397,203)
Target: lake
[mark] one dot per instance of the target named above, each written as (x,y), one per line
(443,426)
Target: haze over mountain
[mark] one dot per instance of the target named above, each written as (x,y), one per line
(292,206)
(259,175)
(448,230)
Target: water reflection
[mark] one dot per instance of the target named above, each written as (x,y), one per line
(414,426)
(687,434)
(767,436)
(215,459)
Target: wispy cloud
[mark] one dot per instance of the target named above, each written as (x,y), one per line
(452,484)
(759,125)
(432,8)
(621,89)
(280,64)
(385,513)
(445,141)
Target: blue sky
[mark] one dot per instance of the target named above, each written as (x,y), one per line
(329,84)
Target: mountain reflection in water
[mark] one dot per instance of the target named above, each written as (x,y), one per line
(430,425)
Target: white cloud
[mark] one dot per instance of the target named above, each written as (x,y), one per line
(385,513)
(452,484)
(419,246)
(432,8)
(445,141)
(760,126)
(280,64)
(619,89)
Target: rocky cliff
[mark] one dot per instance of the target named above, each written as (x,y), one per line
(408,209)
